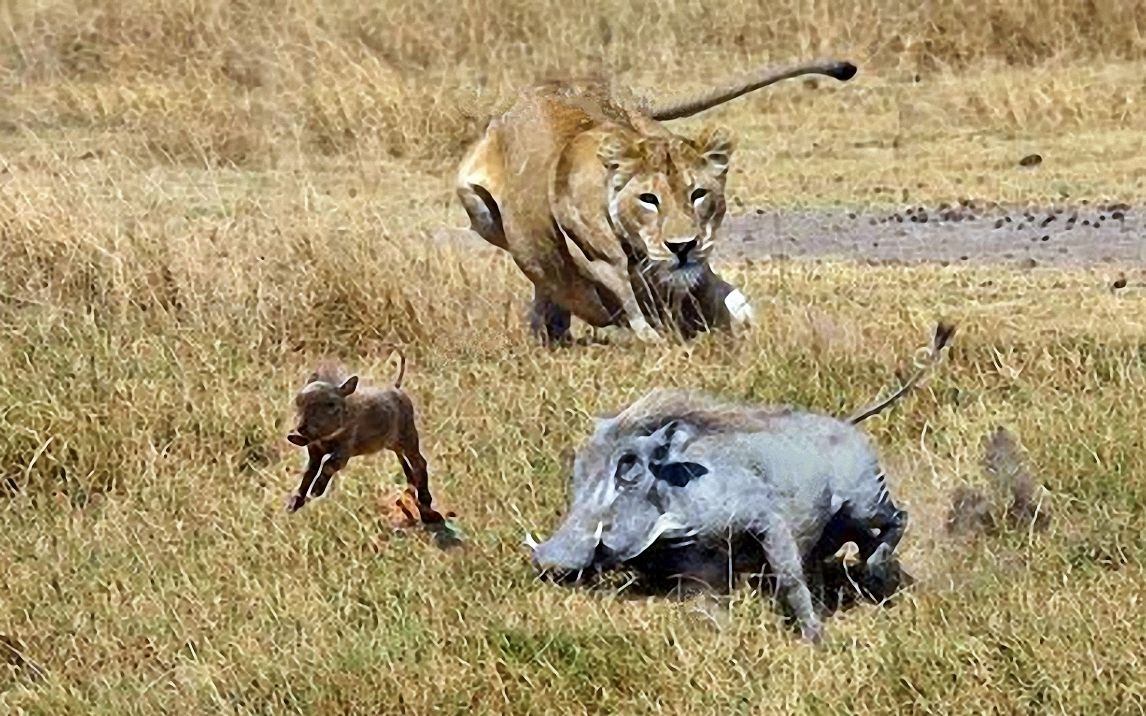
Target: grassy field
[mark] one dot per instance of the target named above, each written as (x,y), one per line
(199,199)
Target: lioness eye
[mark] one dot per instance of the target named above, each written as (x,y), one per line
(698,194)
(650,199)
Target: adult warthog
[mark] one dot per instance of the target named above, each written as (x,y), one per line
(685,470)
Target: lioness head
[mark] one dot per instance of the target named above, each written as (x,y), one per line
(668,191)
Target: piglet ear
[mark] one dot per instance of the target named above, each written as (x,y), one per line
(348,385)
(296,439)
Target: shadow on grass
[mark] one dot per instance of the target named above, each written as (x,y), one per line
(683,574)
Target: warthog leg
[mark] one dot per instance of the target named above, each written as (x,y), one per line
(864,517)
(783,556)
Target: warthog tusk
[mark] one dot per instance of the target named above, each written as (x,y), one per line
(529,541)
(599,532)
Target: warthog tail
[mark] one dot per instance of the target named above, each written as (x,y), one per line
(943,333)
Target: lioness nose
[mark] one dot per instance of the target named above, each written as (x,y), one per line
(681,249)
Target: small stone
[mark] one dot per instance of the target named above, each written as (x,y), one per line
(1031,160)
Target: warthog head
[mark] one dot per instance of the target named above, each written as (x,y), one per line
(321,409)
(621,501)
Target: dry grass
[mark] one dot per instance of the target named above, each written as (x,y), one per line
(197,200)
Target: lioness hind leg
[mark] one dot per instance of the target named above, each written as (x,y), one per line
(477,182)
(485,216)
(548,320)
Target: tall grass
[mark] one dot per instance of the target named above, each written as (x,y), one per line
(198,200)
(416,79)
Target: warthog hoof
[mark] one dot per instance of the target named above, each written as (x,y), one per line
(812,632)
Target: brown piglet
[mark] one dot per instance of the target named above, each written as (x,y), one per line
(337,419)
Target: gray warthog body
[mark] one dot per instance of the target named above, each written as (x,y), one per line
(679,469)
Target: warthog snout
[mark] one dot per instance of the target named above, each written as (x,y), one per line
(569,554)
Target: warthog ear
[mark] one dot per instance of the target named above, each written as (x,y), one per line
(665,432)
(616,151)
(716,144)
(348,385)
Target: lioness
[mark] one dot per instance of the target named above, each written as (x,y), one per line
(605,210)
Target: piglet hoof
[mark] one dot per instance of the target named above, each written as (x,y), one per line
(295,503)
(429,515)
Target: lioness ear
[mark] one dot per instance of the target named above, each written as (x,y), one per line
(716,145)
(348,385)
(615,150)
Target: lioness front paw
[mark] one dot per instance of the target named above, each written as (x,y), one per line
(646,333)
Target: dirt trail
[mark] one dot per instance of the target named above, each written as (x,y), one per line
(968,233)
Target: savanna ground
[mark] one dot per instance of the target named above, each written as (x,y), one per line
(200,199)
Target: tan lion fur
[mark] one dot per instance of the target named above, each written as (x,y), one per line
(581,185)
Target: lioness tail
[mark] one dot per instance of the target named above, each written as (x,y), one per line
(688,106)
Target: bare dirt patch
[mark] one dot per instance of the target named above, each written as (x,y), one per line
(967,232)
(963,233)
